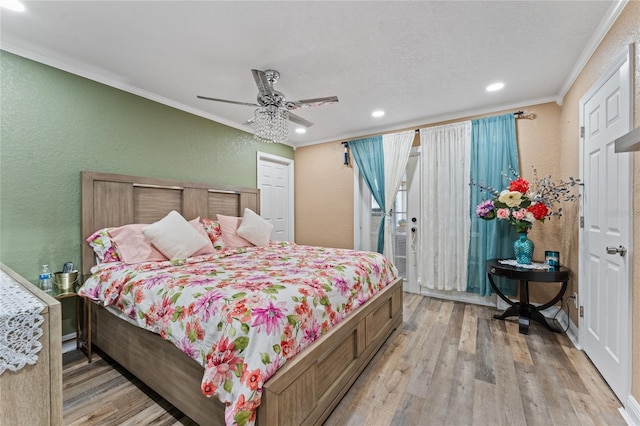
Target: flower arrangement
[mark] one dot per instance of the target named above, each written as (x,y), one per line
(524,202)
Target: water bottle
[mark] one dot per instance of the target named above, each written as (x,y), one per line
(45,279)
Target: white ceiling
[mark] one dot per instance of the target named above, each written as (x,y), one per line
(420,61)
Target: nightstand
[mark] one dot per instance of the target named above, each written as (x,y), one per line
(59,295)
(523,309)
(83,318)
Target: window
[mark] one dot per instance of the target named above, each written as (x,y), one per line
(399,229)
(371,215)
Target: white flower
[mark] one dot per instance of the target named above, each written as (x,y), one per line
(510,198)
(529,217)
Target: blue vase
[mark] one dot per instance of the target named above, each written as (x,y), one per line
(523,248)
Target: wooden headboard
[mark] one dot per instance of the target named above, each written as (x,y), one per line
(115,200)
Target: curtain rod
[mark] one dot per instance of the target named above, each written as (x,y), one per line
(529,115)
(526,114)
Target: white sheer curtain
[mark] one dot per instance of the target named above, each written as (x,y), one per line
(396,147)
(444,235)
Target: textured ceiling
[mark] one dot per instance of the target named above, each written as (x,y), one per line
(420,61)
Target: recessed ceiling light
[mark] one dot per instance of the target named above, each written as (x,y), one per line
(14,5)
(301,130)
(495,86)
(378,113)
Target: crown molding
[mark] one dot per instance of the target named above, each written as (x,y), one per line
(427,121)
(102,79)
(605,25)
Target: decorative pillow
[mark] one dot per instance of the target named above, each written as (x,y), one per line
(209,248)
(132,246)
(100,242)
(229,225)
(175,237)
(255,229)
(214,232)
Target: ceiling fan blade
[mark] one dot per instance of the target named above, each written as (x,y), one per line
(228,101)
(262,82)
(299,120)
(305,103)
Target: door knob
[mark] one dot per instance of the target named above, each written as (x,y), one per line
(617,250)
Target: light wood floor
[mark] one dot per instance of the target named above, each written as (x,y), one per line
(449,364)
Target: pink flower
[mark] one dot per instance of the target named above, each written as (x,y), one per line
(222,363)
(312,331)
(206,304)
(520,214)
(342,286)
(503,213)
(187,347)
(164,311)
(270,317)
(270,369)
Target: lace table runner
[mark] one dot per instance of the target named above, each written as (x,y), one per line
(513,262)
(20,322)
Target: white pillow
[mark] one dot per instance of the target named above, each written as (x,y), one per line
(174,237)
(255,229)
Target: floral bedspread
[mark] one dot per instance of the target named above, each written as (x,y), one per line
(242,313)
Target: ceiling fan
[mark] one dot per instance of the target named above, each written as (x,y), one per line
(269,97)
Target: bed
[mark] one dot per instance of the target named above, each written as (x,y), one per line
(303,391)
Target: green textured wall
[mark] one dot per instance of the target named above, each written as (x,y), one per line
(55,124)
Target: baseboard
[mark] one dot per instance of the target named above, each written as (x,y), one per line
(69,343)
(562,318)
(631,411)
(459,296)
(566,324)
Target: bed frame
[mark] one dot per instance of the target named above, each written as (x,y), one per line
(304,391)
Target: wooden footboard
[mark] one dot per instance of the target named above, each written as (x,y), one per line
(304,391)
(158,363)
(308,388)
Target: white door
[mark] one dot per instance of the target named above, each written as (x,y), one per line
(275,181)
(605,293)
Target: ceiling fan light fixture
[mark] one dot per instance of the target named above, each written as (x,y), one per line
(271,124)
(271,119)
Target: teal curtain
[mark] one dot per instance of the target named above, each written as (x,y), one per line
(493,150)
(369,157)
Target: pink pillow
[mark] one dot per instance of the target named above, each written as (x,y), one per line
(229,225)
(133,247)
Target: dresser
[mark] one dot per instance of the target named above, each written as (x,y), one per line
(32,395)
